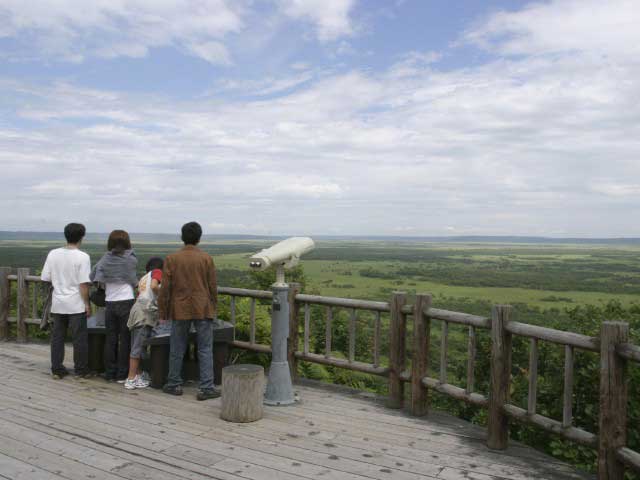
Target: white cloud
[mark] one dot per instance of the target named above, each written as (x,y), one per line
(61,187)
(71,30)
(77,30)
(331,17)
(563,26)
(300,66)
(212,52)
(414,62)
(617,189)
(303,188)
(263,86)
(538,143)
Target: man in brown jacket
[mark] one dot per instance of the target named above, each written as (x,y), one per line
(189,295)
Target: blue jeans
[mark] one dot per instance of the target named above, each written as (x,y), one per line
(178,346)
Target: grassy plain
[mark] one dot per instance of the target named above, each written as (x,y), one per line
(541,275)
(538,275)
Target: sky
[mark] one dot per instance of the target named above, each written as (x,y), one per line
(333,117)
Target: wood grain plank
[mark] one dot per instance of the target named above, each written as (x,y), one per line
(14,469)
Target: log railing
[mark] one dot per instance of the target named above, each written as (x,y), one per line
(253,296)
(30,295)
(612,346)
(331,306)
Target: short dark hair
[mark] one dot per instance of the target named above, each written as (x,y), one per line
(119,241)
(154,263)
(74,232)
(191,233)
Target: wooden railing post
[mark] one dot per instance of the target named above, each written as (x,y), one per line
(613,401)
(5,302)
(397,349)
(498,428)
(23,304)
(294,326)
(420,361)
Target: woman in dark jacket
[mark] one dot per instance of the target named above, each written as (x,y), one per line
(117,271)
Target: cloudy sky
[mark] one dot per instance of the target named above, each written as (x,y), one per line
(414,117)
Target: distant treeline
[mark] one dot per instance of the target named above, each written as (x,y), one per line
(597,274)
(175,237)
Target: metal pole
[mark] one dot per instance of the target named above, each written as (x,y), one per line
(279,386)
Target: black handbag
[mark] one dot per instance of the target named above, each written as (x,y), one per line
(98,297)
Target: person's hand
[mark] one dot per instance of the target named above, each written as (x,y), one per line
(87,309)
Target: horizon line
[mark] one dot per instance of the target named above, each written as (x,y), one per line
(406,236)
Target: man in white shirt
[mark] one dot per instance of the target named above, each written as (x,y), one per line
(68,270)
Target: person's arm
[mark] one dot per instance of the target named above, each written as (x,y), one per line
(133,274)
(84,291)
(84,281)
(156,278)
(155,286)
(92,275)
(164,296)
(213,285)
(45,276)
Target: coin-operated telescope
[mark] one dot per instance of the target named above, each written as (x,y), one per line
(283,255)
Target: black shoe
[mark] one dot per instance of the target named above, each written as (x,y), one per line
(60,374)
(177,390)
(207,394)
(84,375)
(108,378)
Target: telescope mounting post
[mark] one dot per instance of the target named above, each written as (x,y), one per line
(280,276)
(279,385)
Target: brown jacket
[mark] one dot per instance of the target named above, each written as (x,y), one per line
(189,290)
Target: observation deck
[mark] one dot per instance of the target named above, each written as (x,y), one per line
(88,428)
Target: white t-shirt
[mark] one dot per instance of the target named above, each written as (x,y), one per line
(116,292)
(66,269)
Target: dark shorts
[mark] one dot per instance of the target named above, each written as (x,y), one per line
(139,336)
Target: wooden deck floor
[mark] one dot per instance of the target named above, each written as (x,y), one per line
(81,429)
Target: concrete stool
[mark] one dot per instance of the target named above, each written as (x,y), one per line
(242,393)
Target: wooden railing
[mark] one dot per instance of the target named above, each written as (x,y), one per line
(612,346)
(30,294)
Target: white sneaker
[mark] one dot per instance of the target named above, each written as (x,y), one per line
(130,384)
(140,382)
(145,376)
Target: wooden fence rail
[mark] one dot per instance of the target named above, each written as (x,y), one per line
(612,346)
